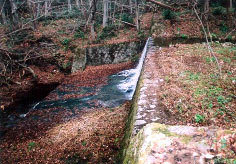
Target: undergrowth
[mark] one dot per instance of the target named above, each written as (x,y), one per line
(204,97)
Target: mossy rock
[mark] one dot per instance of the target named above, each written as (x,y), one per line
(80,59)
(158,143)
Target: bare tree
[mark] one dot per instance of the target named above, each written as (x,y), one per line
(130,4)
(206,8)
(91,18)
(105,13)
(15,18)
(46,8)
(231,4)
(137,15)
(2,12)
(69,5)
(38,9)
(77,3)
(206,36)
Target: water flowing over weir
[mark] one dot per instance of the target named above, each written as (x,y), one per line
(119,88)
(129,84)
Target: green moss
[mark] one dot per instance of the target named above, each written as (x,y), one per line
(186,139)
(164,130)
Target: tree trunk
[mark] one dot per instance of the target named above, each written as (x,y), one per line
(3,14)
(105,13)
(38,10)
(77,3)
(46,8)
(137,15)
(229,8)
(231,5)
(114,11)
(206,8)
(69,5)
(84,10)
(14,12)
(4,20)
(29,4)
(93,11)
(92,30)
(130,4)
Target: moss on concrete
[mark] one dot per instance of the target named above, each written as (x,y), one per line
(130,123)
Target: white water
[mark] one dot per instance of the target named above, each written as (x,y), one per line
(132,76)
(120,87)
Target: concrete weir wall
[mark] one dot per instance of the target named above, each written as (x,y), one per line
(149,141)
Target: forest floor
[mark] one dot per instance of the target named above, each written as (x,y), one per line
(193,89)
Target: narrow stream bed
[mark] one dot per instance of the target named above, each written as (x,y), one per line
(78,92)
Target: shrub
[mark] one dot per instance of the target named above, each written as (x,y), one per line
(224,28)
(31,145)
(107,32)
(66,43)
(214,36)
(168,14)
(218,10)
(127,18)
(184,36)
(141,35)
(79,34)
(199,118)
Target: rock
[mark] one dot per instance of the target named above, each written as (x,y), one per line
(140,122)
(157,144)
(79,61)
(22,115)
(113,53)
(227,44)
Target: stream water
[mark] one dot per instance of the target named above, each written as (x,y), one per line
(119,88)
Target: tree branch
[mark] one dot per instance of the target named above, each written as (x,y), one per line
(205,33)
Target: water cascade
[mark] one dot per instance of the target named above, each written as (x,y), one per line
(119,88)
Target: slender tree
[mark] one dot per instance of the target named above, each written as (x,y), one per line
(206,8)
(46,8)
(38,9)
(137,15)
(14,14)
(2,12)
(105,13)
(77,3)
(130,4)
(69,5)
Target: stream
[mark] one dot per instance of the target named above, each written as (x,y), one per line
(119,87)
(114,91)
